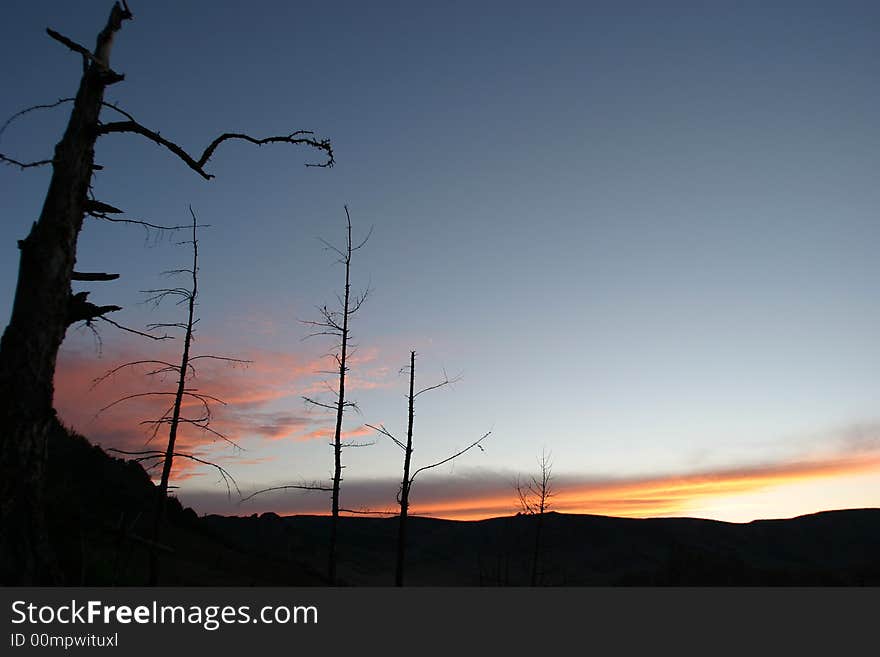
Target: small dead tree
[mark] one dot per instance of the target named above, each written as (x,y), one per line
(173,417)
(336,323)
(533,496)
(45,306)
(407,481)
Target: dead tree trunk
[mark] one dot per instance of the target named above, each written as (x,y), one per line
(534,499)
(162,492)
(340,410)
(336,323)
(536,552)
(173,416)
(43,309)
(45,306)
(405,482)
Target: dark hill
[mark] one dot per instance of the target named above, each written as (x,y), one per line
(100,515)
(100,512)
(830,548)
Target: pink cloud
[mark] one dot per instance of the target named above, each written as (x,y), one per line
(329,432)
(364,373)
(262,398)
(246,389)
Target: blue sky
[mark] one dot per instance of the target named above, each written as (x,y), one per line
(645,233)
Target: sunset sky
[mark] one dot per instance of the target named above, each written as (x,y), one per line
(645,234)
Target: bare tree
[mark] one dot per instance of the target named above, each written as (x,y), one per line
(407,447)
(534,497)
(336,323)
(45,306)
(173,416)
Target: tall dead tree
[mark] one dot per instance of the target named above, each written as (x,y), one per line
(534,496)
(173,416)
(407,481)
(45,305)
(336,323)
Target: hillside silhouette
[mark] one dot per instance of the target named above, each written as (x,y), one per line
(836,548)
(100,513)
(100,510)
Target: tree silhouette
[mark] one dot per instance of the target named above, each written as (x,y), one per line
(336,323)
(173,416)
(534,497)
(45,305)
(407,447)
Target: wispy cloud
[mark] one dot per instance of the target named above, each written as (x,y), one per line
(329,432)
(263,404)
(365,373)
(262,398)
(486,493)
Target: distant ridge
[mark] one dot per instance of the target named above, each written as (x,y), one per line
(100,509)
(840,548)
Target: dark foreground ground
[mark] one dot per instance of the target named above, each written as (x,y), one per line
(101,506)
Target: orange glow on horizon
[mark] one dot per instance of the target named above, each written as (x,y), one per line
(664,496)
(670,495)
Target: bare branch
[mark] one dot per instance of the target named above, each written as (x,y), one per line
(224,473)
(140,222)
(321,404)
(24,165)
(223,358)
(173,369)
(298,137)
(32,108)
(159,454)
(358,302)
(317,333)
(310,487)
(156,297)
(329,247)
(352,444)
(192,392)
(151,327)
(135,331)
(449,458)
(116,108)
(368,512)
(188,393)
(202,424)
(19,114)
(75,47)
(133,396)
(108,76)
(92,276)
(109,373)
(445,382)
(363,241)
(381,429)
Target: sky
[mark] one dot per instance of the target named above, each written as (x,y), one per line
(643,235)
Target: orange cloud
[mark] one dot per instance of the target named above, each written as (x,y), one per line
(484,494)
(248,390)
(656,496)
(329,432)
(269,377)
(251,392)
